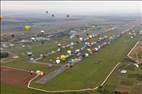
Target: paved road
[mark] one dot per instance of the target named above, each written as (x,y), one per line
(51,75)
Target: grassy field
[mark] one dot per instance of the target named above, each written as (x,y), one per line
(89,73)
(37,49)
(78,76)
(78,73)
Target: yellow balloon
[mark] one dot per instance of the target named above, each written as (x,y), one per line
(27,27)
(1,18)
(69,51)
(63,57)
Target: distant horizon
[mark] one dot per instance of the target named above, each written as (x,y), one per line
(79,8)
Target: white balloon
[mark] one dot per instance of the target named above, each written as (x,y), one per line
(58,61)
(42,31)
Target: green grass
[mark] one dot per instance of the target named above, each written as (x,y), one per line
(88,74)
(12,89)
(78,73)
(84,75)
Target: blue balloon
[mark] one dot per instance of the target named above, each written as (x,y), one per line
(70,60)
(73,54)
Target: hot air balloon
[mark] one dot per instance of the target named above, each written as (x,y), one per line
(63,57)
(12,35)
(27,27)
(46,11)
(58,61)
(42,31)
(1,18)
(86,54)
(69,52)
(59,44)
(81,39)
(67,15)
(52,15)
(89,50)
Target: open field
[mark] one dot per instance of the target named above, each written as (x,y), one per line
(89,73)
(85,47)
(87,67)
(117,44)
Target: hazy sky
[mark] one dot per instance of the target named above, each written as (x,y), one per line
(75,7)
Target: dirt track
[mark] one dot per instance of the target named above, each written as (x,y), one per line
(15,77)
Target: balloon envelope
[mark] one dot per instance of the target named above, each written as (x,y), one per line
(27,27)
(58,61)
(63,57)
(69,51)
(1,18)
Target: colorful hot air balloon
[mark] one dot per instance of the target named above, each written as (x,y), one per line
(27,27)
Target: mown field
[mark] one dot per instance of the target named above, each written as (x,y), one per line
(78,76)
(37,49)
(89,73)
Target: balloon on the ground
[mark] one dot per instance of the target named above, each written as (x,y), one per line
(58,61)
(86,54)
(69,52)
(59,44)
(63,57)
(42,31)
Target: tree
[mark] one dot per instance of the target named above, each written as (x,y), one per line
(4,54)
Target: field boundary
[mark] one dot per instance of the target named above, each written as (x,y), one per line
(132,50)
(15,68)
(79,90)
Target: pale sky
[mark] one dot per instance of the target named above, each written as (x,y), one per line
(75,7)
